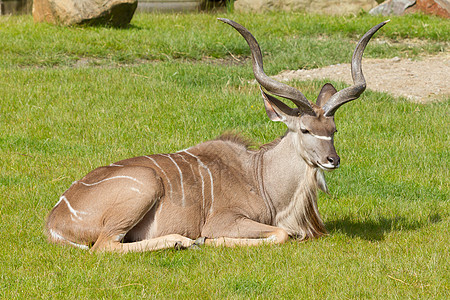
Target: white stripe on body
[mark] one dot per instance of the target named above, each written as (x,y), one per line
(210,178)
(136,190)
(165,175)
(59,201)
(111,178)
(57,236)
(115,165)
(73,211)
(183,200)
(184,159)
(201,177)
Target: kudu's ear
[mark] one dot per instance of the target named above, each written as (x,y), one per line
(326,92)
(276,110)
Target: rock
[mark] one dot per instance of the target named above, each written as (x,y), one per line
(392,7)
(399,7)
(91,12)
(254,5)
(15,7)
(332,7)
(439,8)
(169,6)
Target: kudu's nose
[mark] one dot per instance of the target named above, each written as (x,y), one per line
(334,160)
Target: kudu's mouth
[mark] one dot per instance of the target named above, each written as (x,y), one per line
(328,167)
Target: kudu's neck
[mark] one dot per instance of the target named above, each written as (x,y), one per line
(283,171)
(290,185)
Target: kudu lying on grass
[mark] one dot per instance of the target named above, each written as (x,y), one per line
(219,190)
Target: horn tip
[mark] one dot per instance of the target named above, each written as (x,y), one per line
(224,20)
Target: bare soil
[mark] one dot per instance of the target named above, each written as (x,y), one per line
(423,80)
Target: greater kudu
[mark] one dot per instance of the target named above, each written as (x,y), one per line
(219,190)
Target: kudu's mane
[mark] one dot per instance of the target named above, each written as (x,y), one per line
(247,143)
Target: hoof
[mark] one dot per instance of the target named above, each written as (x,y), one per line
(198,242)
(179,246)
(194,247)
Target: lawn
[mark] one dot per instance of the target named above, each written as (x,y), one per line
(73,99)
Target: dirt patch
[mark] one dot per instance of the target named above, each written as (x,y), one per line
(423,80)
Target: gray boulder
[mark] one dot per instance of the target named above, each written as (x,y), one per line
(330,7)
(439,8)
(392,7)
(91,12)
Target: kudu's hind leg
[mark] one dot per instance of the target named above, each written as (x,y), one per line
(246,232)
(121,219)
(122,214)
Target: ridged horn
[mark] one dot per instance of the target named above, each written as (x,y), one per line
(271,85)
(359,83)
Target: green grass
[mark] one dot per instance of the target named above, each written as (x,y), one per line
(294,40)
(158,87)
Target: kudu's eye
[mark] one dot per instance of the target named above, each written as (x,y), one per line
(304,130)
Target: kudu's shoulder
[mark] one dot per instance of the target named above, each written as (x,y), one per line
(227,150)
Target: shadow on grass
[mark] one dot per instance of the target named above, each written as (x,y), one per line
(100,23)
(376,230)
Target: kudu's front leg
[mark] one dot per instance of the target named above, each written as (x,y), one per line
(163,242)
(246,232)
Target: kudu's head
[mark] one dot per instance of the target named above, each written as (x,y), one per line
(312,124)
